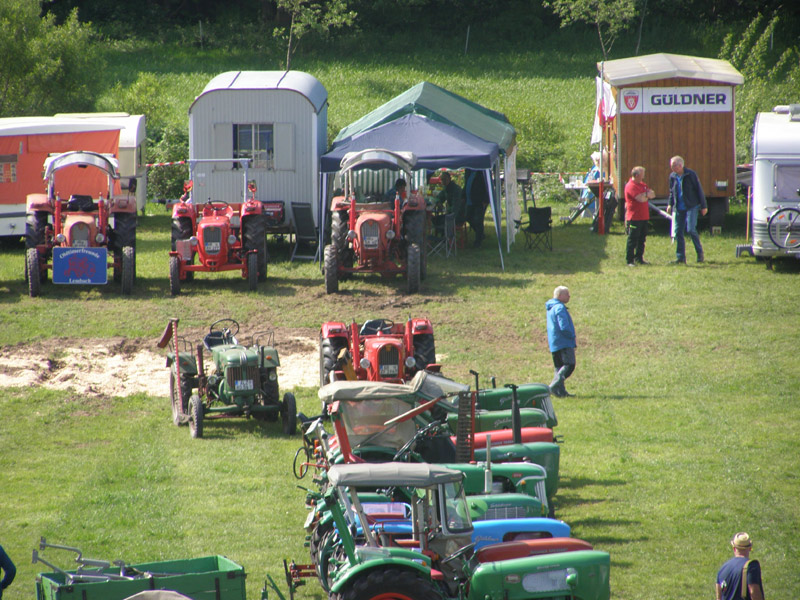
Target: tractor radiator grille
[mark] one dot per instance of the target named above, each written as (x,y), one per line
(370,234)
(389,361)
(80,235)
(504,512)
(212,240)
(243,379)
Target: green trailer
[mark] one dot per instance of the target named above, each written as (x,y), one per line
(206,578)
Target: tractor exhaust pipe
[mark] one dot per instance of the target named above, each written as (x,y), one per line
(516,425)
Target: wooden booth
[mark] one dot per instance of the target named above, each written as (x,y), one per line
(667,105)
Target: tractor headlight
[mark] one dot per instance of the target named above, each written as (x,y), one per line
(231,240)
(99,238)
(193,241)
(410,362)
(351,235)
(61,238)
(364,363)
(273,375)
(390,234)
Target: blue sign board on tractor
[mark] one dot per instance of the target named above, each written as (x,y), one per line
(80,265)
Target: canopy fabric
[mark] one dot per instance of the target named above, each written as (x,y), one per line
(363,390)
(441,105)
(435,144)
(390,474)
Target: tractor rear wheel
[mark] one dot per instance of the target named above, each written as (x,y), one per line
(331,270)
(391,584)
(329,349)
(424,350)
(174,275)
(128,269)
(415,234)
(269,397)
(252,272)
(179,394)
(196,416)
(182,230)
(124,234)
(35,226)
(254,237)
(289,414)
(32,268)
(340,227)
(413,268)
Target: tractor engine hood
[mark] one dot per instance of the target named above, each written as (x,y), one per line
(234,356)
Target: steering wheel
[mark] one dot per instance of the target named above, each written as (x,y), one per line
(212,204)
(420,433)
(230,327)
(387,326)
(459,553)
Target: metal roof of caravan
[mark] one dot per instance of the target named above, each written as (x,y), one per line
(637,69)
(776,133)
(293,81)
(49,125)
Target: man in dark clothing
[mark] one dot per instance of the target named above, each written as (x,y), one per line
(452,199)
(476,196)
(740,578)
(9,571)
(687,198)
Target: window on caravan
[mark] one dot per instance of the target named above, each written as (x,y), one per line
(787,183)
(256,142)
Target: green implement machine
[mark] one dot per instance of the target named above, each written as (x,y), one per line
(238,381)
(206,578)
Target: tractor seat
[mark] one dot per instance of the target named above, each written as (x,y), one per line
(374,327)
(217,338)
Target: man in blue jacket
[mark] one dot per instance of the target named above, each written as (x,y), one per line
(687,198)
(561,338)
(9,570)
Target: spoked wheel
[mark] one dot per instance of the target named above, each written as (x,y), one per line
(302,458)
(390,584)
(289,414)
(784,228)
(196,416)
(413,268)
(331,270)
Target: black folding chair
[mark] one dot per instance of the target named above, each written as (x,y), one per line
(305,232)
(539,229)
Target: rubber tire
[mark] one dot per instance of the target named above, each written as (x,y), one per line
(398,584)
(424,350)
(415,234)
(128,269)
(331,270)
(195,417)
(35,226)
(289,414)
(174,275)
(252,272)
(340,225)
(329,349)
(181,230)
(254,237)
(33,270)
(179,394)
(124,234)
(269,390)
(413,274)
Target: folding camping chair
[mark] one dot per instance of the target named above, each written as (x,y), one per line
(444,240)
(305,232)
(539,229)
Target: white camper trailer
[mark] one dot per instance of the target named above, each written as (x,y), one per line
(276,119)
(776,177)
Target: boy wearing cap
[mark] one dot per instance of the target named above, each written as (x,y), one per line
(740,578)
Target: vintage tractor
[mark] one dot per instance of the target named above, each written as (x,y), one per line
(371,235)
(79,237)
(437,559)
(243,382)
(378,350)
(218,235)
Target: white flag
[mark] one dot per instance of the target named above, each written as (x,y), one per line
(605,108)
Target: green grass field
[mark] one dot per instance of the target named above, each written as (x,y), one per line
(684,427)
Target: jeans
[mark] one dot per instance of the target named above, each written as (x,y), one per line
(686,224)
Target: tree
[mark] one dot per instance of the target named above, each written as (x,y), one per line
(610,17)
(44,67)
(307,16)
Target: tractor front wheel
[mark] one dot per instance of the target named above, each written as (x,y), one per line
(331,270)
(32,267)
(390,584)
(196,416)
(413,268)
(128,269)
(174,275)
(289,414)
(252,271)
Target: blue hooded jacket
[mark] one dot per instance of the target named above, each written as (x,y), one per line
(560,330)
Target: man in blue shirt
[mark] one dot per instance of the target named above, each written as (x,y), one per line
(9,570)
(687,198)
(740,578)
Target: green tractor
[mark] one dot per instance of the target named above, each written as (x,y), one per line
(243,381)
(439,562)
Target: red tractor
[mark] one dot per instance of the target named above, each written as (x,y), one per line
(373,235)
(81,235)
(220,236)
(379,350)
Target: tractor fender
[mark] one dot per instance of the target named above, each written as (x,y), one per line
(251,207)
(268,357)
(183,209)
(186,361)
(419,326)
(122,204)
(399,558)
(340,203)
(333,329)
(37,202)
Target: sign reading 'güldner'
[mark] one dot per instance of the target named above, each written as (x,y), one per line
(677,99)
